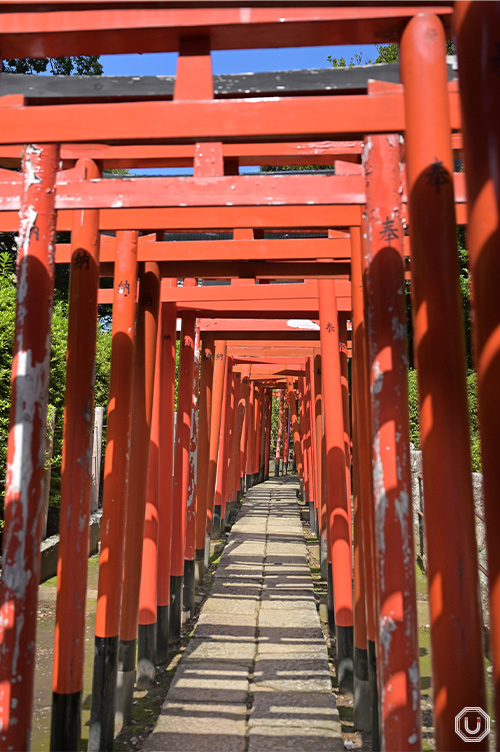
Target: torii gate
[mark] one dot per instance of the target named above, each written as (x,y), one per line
(385,110)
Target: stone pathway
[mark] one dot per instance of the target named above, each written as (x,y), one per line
(255,674)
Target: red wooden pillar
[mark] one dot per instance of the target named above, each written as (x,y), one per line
(142,400)
(281,397)
(362,705)
(181,468)
(239,432)
(114,496)
(305,488)
(221,479)
(268,436)
(228,428)
(263,434)
(338,517)
(244,430)
(363,441)
(477,46)
(205,409)
(146,636)
(233,484)
(257,419)
(76,477)
(313,503)
(344,380)
(250,439)
(189,553)
(165,472)
(388,363)
(321,515)
(26,445)
(456,625)
(215,424)
(295,428)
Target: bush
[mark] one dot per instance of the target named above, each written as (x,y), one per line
(57,375)
(473,419)
(413,408)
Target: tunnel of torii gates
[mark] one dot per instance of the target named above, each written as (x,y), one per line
(345,241)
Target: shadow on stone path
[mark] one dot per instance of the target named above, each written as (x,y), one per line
(255,675)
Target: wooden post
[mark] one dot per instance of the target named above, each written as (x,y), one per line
(456,624)
(338,516)
(181,471)
(477,48)
(388,362)
(146,635)
(188,593)
(165,474)
(144,369)
(76,478)
(114,498)
(205,409)
(26,444)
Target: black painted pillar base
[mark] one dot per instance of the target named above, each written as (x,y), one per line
(199,565)
(301,489)
(239,496)
(323,556)
(372,677)
(216,523)
(330,604)
(226,527)
(276,469)
(125,681)
(256,478)
(345,658)
(233,511)
(312,518)
(242,486)
(188,592)
(102,712)
(162,627)
(249,483)
(146,656)
(66,725)
(362,699)
(175,610)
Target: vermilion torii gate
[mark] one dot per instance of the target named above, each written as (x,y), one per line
(367,206)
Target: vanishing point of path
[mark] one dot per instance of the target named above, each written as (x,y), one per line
(255,674)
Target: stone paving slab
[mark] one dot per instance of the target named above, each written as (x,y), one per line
(304,709)
(255,676)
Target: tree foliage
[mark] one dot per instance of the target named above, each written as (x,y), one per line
(59,335)
(81,65)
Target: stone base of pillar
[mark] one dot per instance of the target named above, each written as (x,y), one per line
(188,592)
(125,682)
(162,627)
(362,697)
(216,523)
(199,566)
(345,662)
(146,656)
(102,713)
(174,634)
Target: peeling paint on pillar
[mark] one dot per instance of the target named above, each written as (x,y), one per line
(397,656)
(26,445)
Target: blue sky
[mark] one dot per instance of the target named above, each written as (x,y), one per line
(231,61)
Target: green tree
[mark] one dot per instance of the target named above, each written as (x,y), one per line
(81,65)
